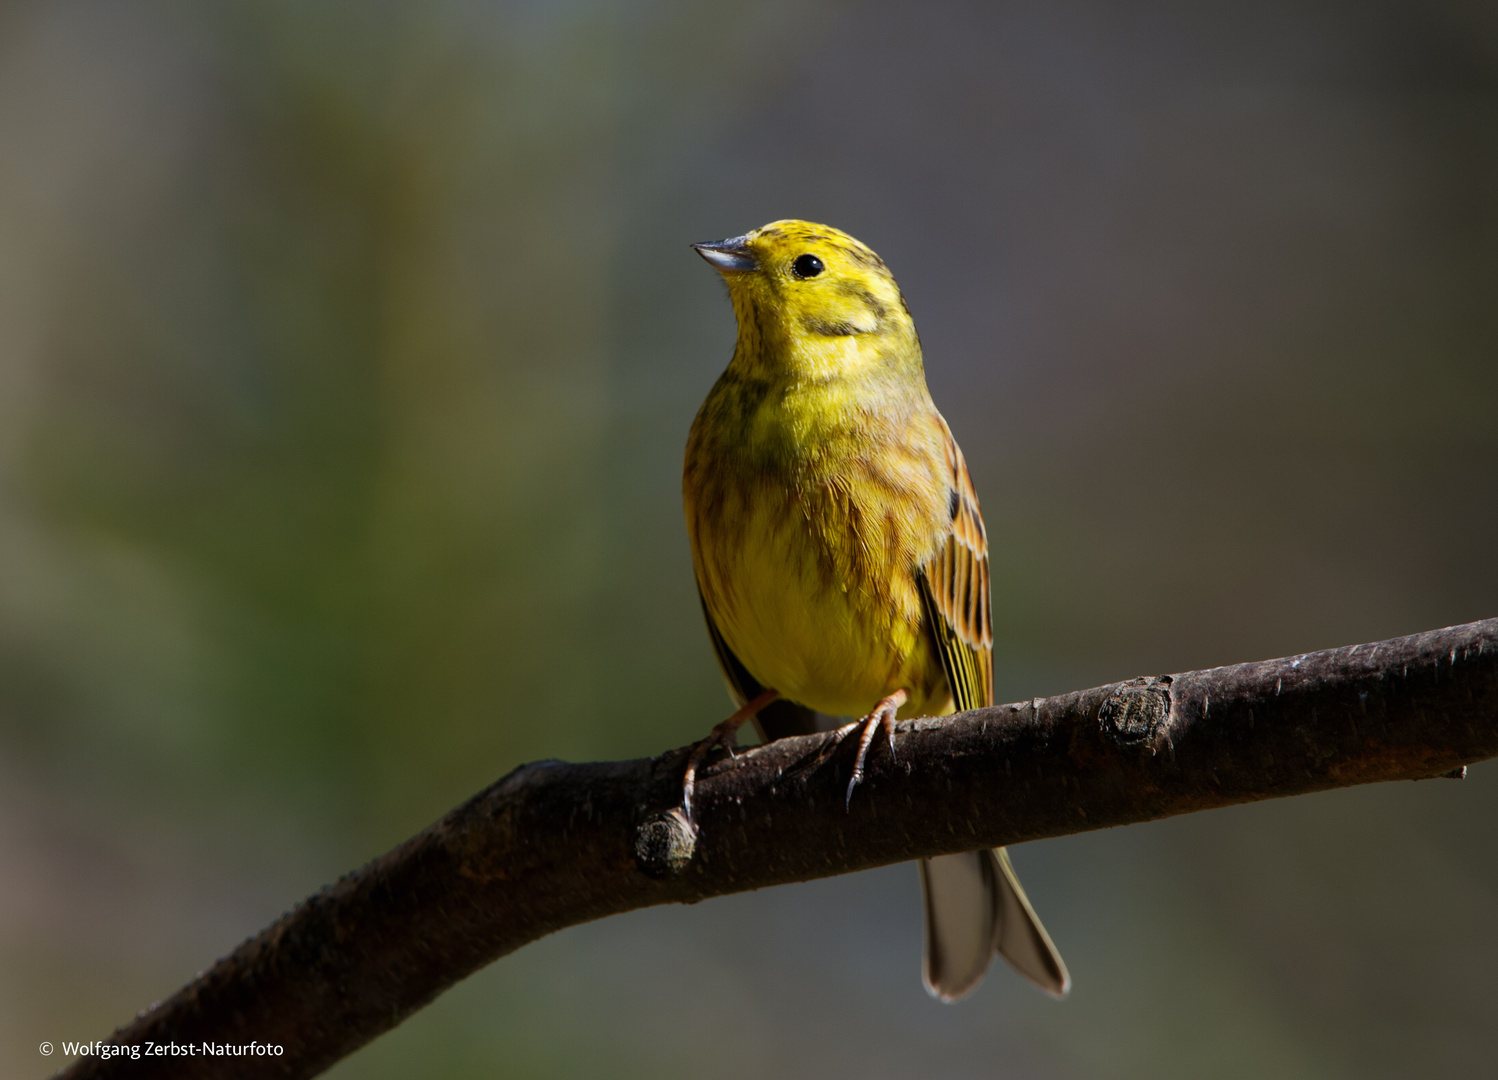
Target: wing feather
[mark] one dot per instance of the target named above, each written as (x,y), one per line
(954,587)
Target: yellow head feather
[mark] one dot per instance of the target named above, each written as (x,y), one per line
(812,301)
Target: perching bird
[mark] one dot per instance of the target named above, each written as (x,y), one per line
(839,552)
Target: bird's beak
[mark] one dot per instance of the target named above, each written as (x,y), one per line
(728,256)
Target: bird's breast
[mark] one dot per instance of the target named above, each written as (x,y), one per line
(807,535)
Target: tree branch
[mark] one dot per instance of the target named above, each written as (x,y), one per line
(553,845)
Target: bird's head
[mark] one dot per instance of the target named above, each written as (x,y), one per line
(812,298)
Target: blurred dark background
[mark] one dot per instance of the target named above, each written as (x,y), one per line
(347,352)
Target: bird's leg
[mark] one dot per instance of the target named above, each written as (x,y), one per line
(723,735)
(883,716)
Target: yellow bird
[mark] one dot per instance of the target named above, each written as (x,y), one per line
(839,551)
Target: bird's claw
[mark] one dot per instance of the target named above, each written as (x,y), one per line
(724,735)
(883,716)
(715,738)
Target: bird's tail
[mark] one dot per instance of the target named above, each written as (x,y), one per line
(976,907)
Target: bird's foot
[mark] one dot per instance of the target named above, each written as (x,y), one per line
(883,716)
(724,735)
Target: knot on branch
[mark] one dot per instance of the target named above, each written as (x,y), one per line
(1138,712)
(665,843)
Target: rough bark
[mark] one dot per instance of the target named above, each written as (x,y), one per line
(553,845)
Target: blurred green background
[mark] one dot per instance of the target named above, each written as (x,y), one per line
(347,352)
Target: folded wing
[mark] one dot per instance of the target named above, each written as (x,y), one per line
(974,903)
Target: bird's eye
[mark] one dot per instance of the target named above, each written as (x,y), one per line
(806,266)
